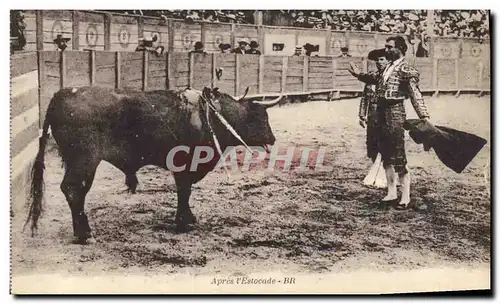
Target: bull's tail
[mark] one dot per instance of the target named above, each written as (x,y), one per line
(36,192)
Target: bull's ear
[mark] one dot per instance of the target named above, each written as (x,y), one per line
(215,93)
(206,92)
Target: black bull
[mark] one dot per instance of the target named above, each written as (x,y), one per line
(132,129)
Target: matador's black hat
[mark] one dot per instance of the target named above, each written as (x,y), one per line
(376,54)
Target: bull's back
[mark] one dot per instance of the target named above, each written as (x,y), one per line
(83,119)
(115,124)
(85,105)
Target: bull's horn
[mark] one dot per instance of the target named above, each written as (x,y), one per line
(246,92)
(269,103)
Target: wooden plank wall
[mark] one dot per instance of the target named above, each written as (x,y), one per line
(30,30)
(131,66)
(185,36)
(445,48)
(228,79)
(337,41)
(25,123)
(315,37)
(295,74)
(263,75)
(54,23)
(360,44)
(248,74)
(216,34)
(79,66)
(90,31)
(106,68)
(380,39)
(200,71)
(321,73)
(243,31)
(180,70)
(446,75)
(157,72)
(273,72)
(343,80)
(153,27)
(469,74)
(50,76)
(485,75)
(425,68)
(124,33)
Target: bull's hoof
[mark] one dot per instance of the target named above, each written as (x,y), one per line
(183,228)
(131,182)
(83,240)
(191,219)
(188,218)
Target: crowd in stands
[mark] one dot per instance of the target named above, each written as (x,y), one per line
(227,16)
(412,23)
(454,23)
(473,23)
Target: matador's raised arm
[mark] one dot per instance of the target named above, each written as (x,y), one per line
(368,78)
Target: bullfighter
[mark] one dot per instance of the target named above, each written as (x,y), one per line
(396,83)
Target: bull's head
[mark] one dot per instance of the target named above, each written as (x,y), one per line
(247,115)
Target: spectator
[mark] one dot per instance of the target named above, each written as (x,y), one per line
(199,48)
(345,52)
(422,46)
(146,42)
(225,48)
(253,48)
(17,28)
(309,48)
(62,43)
(298,50)
(243,45)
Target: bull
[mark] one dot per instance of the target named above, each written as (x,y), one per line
(131,129)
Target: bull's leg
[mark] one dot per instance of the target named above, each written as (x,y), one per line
(183,217)
(131,181)
(76,184)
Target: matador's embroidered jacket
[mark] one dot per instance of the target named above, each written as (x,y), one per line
(402,83)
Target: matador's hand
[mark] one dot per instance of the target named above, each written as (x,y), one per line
(353,69)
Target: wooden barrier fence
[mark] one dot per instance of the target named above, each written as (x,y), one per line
(264,75)
(25,121)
